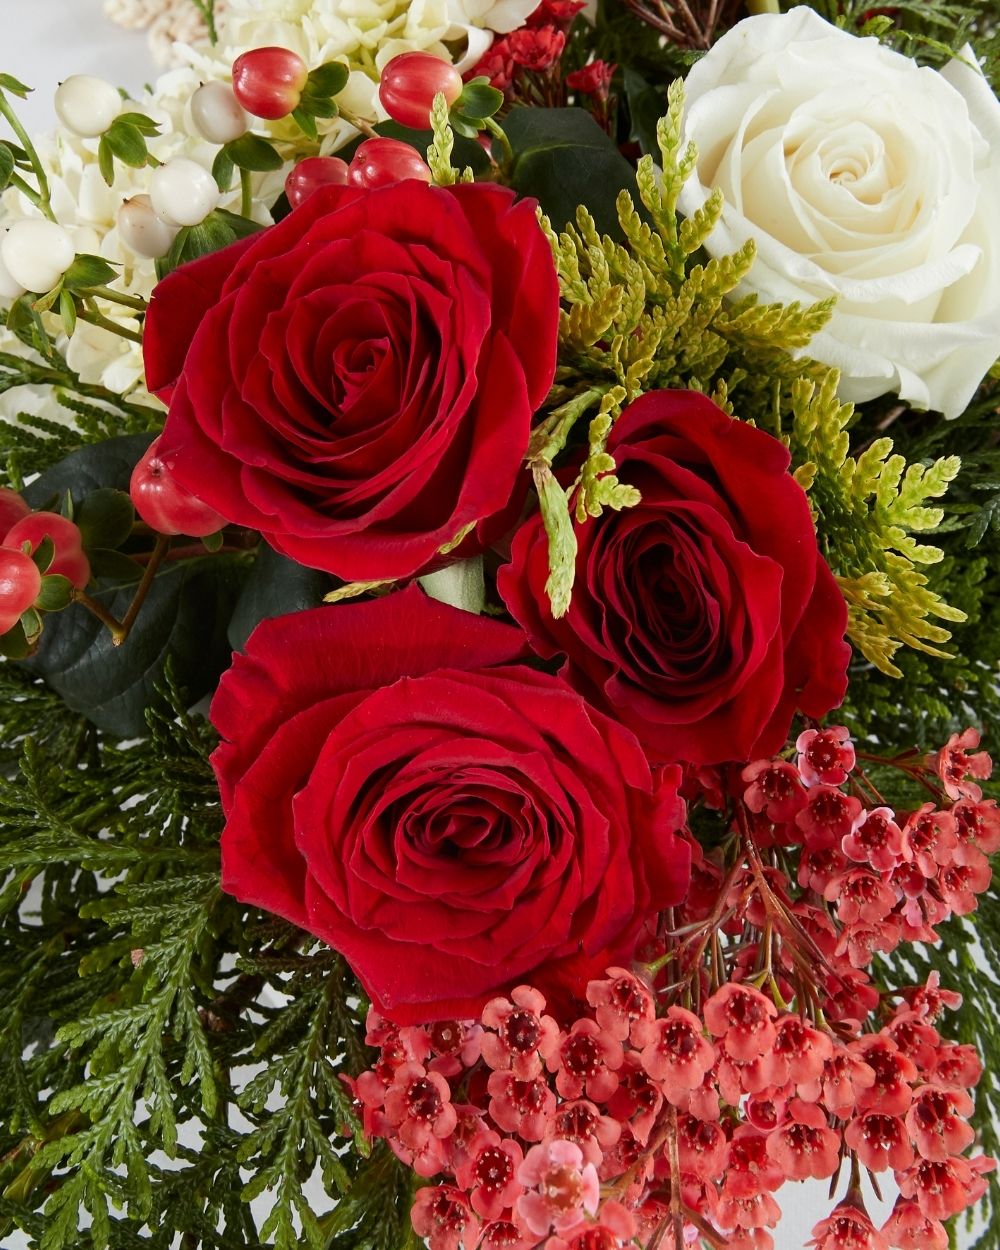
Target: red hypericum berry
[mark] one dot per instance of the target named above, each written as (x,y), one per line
(268,82)
(69,560)
(12,509)
(20,582)
(409,84)
(379,162)
(166,506)
(311,174)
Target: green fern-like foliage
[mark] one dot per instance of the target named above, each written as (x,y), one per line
(142,1004)
(651,312)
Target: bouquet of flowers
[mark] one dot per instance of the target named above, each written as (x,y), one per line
(500,606)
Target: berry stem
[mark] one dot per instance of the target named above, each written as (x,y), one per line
(43,201)
(359,123)
(142,590)
(498,133)
(246,193)
(119,297)
(96,319)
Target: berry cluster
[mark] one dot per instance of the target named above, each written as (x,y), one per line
(748,1047)
(41,556)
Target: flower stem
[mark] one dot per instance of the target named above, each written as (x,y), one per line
(95,319)
(24,139)
(358,123)
(246,193)
(498,133)
(119,297)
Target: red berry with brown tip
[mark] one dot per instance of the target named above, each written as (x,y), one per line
(20,584)
(380,162)
(409,84)
(69,559)
(311,174)
(268,82)
(165,505)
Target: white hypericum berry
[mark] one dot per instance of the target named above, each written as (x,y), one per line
(183,192)
(217,113)
(9,289)
(36,254)
(87,105)
(141,229)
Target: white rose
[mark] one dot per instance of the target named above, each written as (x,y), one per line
(861,175)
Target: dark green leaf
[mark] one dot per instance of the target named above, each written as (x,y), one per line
(6,165)
(252,152)
(44,554)
(222,169)
(242,227)
(105,518)
(318,106)
(106,160)
(479,99)
(109,463)
(145,125)
(9,83)
(327,80)
(67,311)
(275,586)
(563,158)
(306,123)
(213,542)
(467,127)
(214,233)
(55,593)
(113,565)
(646,105)
(14,644)
(127,143)
(87,271)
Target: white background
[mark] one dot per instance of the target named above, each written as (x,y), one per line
(44,41)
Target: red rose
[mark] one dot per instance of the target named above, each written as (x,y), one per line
(395,781)
(705,616)
(358,381)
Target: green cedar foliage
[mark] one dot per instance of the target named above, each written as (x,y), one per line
(131,983)
(653,312)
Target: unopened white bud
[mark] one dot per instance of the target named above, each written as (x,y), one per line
(37,253)
(87,105)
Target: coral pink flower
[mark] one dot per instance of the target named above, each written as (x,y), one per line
(799,1052)
(454,1045)
(929,839)
(829,817)
(979,823)
(675,1051)
(442,1215)
(615,1227)
(914,1037)
(894,1073)
(942,1188)
(469,1134)
(826,756)
(861,896)
(702,1146)
(878,841)
(581,1122)
(954,765)
(490,1176)
(418,1105)
(750,1168)
(637,1099)
(851,997)
(769,1109)
(909,1229)
(847,1229)
(957,1065)
(936,1121)
(859,941)
(742,1018)
(960,884)
(586,1061)
(775,789)
(750,1239)
(562,1188)
(751,1211)
(820,865)
(844,1077)
(519,1036)
(620,1002)
(804,1145)
(930,1000)
(505,1235)
(521,1107)
(879,1141)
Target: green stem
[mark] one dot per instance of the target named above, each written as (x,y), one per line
(763,6)
(36,164)
(498,133)
(96,319)
(27,191)
(358,123)
(246,193)
(119,297)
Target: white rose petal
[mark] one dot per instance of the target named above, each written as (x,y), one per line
(858,174)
